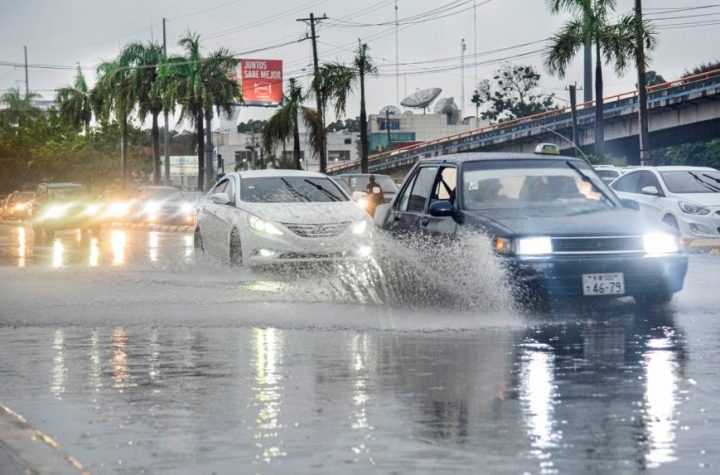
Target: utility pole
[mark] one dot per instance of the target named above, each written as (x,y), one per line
(642,86)
(475,44)
(387,125)
(573,113)
(27,83)
(397,58)
(462,80)
(166,137)
(312,20)
(588,71)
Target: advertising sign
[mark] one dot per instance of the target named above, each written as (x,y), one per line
(261,82)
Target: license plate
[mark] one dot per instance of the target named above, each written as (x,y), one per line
(604,284)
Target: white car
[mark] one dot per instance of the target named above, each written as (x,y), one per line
(281,216)
(686,198)
(608,173)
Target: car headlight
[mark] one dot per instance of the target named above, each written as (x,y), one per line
(360,228)
(691,208)
(151,207)
(534,246)
(660,243)
(118,209)
(20,206)
(186,208)
(261,226)
(363,203)
(92,209)
(56,211)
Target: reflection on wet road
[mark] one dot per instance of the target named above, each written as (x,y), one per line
(136,358)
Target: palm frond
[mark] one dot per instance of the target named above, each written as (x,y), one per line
(564,46)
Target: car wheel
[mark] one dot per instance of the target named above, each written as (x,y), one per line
(198,242)
(236,257)
(671,221)
(653,299)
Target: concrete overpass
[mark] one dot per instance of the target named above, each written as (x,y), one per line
(680,111)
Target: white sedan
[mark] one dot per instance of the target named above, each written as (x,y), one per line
(685,198)
(281,216)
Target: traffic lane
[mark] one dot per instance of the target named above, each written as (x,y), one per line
(110,248)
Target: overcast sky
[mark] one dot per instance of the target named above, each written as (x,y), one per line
(88,31)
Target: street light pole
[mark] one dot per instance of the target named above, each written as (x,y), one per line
(166,138)
(462,80)
(644,133)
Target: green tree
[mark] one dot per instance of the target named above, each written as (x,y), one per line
(512,94)
(652,78)
(145,60)
(74,104)
(197,83)
(614,44)
(703,68)
(19,109)
(338,81)
(284,124)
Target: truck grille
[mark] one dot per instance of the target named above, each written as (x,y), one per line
(595,245)
(318,230)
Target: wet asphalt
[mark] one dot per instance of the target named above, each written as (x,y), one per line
(138,356)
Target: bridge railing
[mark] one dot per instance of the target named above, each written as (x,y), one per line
(514,123)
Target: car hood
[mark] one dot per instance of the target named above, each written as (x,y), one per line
(705,199)
(307,213)
(556,222)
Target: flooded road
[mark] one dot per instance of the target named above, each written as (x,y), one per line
(137,356)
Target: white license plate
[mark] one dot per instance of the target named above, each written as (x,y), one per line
(604,284)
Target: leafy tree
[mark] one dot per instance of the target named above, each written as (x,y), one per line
(252,126)
(198,83)
(350,125)
(614,44)
(700,154)
(19,109)
(512,94)
(74,104)
(703,68)
(652,78)
(285,124)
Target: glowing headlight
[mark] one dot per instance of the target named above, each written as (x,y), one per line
(364,251)
(186,208)
(691,208)
(151,207)
(660,243)
(535,246)
(363,203)
(56,211)
(260,226)
(360,228)
(92,209)
(118,209)
(19,206)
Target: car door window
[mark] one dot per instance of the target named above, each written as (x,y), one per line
(627,183)
(649,179)
(230,190)
(220,187)
(405,198)
(421,189)
(445,185)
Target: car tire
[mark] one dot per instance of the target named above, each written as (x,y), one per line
(653,299)
(198,244)
(235,252)
(671,221)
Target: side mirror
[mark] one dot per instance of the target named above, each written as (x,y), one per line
(220,198)
(630,204)
(650,190)
(441,208)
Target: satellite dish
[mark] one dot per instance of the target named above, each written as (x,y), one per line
(447,107)
(389,110)
(421,99)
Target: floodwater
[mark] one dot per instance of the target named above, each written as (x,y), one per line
(136,356)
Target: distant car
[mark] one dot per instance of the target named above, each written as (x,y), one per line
(116,205)
(162,205)
(555,224)
(59,206)
(281,217)
(608,173)
(17,205)
(685,198)
(358,183)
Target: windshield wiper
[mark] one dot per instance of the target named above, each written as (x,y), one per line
(703,182)
(323,189)
(711,177)
(587,179)
(293,190)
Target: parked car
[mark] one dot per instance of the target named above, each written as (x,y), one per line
(59,206)
(162,205)
(17,205)
(281,216)
(685,198)
(557,226)
(608,173)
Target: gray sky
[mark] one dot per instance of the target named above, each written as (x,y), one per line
(88,31)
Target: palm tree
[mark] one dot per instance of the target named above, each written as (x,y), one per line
(114,94)
(74,104)
(145,60)
(196,84)
(19,109)
(285,123)
(338,82)
(613,42)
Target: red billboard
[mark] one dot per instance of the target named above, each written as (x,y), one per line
(261,82)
